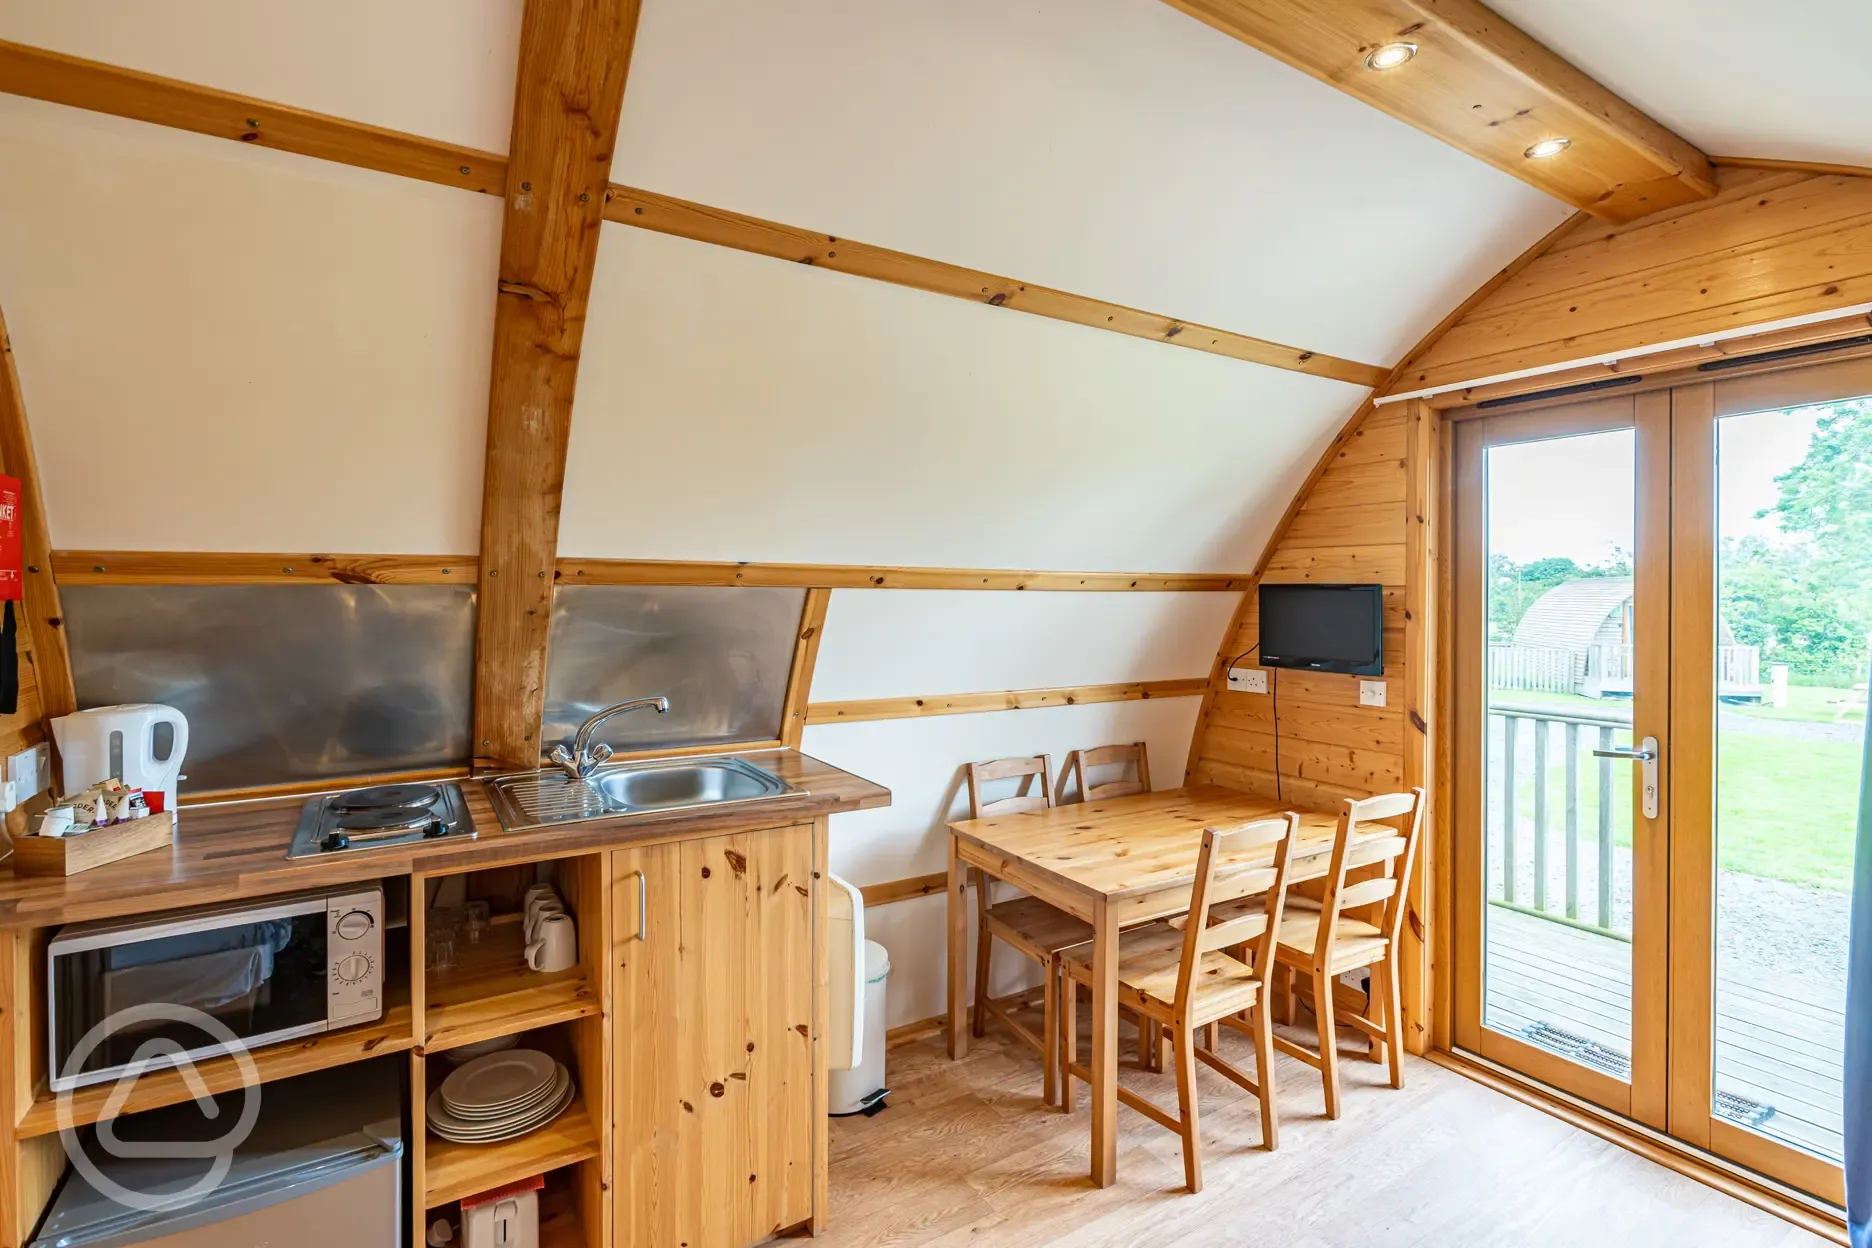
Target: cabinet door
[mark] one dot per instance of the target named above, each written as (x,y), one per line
(714,1001)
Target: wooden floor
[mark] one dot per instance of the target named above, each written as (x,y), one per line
(1781,1044)
(967,1155)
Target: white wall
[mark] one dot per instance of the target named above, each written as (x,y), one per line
(732,406)
(227,348)
(882,643)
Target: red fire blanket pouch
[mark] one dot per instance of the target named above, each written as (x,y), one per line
(12,590)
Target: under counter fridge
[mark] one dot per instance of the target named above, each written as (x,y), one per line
(322,1166)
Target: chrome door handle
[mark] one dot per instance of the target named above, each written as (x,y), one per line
(643,905)
(1645,755)
(1636,756)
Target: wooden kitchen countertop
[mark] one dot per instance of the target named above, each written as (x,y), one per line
(225,852)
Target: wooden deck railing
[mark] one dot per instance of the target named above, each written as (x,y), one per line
(1578,735)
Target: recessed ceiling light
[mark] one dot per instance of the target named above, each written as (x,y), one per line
(1547,147)
(1390,56)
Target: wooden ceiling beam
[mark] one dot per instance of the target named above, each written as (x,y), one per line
(574,57)
(1484,86)
(99,88)
(665,214)
(67,80)
(877,576)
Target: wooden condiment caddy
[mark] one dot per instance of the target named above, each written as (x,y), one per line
(68,855)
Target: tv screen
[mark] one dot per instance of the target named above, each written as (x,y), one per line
(1323,628)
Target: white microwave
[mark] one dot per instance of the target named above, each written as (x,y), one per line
(165,991)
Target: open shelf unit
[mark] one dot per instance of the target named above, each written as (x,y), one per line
(492,992)
(392,1033)
(458,1170)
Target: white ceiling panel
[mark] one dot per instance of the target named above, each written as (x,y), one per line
(225,348)
(731,406)
(1785,81)
(443,69)
(1114,148)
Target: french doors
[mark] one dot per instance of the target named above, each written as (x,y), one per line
(1661,612)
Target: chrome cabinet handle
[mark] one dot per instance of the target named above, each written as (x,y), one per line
(1646,755)
(643,905)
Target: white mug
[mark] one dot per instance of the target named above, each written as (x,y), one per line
(555,944)
(538,909)
(536,891)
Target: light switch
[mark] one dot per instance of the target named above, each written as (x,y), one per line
(1248,679)
(1371,693)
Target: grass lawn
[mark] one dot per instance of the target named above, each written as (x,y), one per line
(1786,808)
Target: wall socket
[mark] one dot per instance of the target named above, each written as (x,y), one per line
(1248,679)
(29,771)
(1371,692)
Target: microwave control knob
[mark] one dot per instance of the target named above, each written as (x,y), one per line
(355,925)
(353,968)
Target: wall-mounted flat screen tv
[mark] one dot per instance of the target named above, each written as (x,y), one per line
(1323,628)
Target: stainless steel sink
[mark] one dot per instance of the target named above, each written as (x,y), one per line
(536,799)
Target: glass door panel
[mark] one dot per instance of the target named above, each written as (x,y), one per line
(1794,612)
(1557,970)
(1562,606)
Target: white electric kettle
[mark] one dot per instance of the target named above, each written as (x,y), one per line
(120,742)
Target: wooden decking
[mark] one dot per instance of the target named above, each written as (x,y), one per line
(1779,1041)
(966,1156)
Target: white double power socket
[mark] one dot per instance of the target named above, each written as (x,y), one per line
(1248,679)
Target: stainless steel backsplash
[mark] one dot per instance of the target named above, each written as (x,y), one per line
(720,654)
(286,682)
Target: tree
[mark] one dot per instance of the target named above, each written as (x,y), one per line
(1828,495)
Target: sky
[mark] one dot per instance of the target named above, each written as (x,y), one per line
(1574,496)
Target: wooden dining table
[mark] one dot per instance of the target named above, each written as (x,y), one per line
(1115,864)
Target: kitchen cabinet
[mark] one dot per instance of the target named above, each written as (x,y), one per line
(717,1097)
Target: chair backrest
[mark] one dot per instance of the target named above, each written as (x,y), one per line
(1030,796)
(1393,853)
(1083,761)
(1217,882)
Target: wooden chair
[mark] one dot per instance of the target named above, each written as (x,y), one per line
(1178,975)
(1354,924)
(1081,761)
(1038,930)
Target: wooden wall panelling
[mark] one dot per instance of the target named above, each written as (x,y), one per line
(79,83)
(103,88)
(805,660)
(1774,246)
(1005,700)
(574,57)
(43,625)
(668,215)
(871,576)
(1483,86)
(194,567)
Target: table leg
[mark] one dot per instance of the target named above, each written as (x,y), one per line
(958,954)
(1104,1047)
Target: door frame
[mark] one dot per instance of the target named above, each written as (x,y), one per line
(1645,1098)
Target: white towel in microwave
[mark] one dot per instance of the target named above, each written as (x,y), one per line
(209,982)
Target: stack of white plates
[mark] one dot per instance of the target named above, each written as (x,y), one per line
(499,1097)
